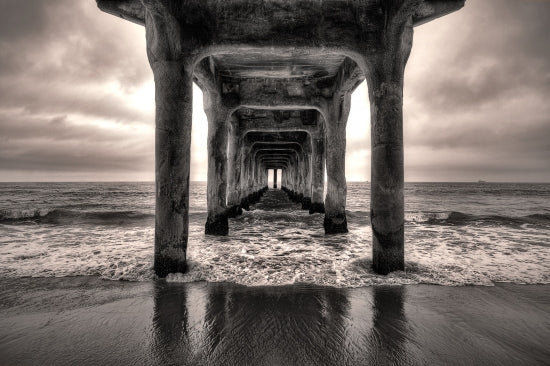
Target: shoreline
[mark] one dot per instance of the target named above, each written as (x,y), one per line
(88,320)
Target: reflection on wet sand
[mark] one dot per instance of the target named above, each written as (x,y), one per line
(88,321)
(291,325)
(390,329)
(170,324)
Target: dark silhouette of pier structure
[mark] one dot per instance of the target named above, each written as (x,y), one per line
(277,78)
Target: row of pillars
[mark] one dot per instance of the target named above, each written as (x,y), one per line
(374,38)
(241,176)
(235,180)
(237,170)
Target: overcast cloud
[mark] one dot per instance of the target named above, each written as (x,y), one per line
(77,97)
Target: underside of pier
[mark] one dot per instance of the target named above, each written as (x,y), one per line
(277,78)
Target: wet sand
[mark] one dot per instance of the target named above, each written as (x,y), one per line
(88,321)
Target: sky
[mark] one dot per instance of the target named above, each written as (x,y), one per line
(77,97)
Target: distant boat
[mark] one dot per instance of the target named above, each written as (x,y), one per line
(481,181)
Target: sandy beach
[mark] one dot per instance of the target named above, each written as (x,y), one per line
(89,321)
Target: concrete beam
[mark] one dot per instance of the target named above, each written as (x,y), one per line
(274,93)
(205,77)
(268,164)
(429,10)
(275,150)
(132,10)
(276,145)
(272,137)
(279,157)
(264,161)
(260,120)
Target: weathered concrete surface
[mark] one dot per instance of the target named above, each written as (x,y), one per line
(387,167)
(318,173)
(217,115)
(330,25)
(234,169)
(173,90)
(337,112)
(277,72)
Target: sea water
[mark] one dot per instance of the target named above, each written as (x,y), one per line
(455,234)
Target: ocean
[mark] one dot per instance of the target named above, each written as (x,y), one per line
(455,234)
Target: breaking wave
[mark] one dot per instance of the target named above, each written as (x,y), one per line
(69,217)
(108,231)
(460,218)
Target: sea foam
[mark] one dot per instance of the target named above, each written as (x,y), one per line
(112,236)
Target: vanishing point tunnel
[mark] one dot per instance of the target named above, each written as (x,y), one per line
(277,78)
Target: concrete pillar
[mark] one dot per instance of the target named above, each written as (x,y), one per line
(296,175)
(385,83)
(337,112)
(300,171)
(234,169)
(258,176)
(318,174)
(173,75)
(275,178)
(291,176)
(174,102)
(245,170)
(256,166)
(250,176)
(217,115)
(306,199)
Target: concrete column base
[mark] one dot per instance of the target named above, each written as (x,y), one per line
(166,263)
(388,252)
(234,211)
(317,207)
(336,225)
(245,205)
(217,225)
(254,198)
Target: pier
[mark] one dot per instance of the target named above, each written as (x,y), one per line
(277,78)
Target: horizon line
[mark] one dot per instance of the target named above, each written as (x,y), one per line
(204,181)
